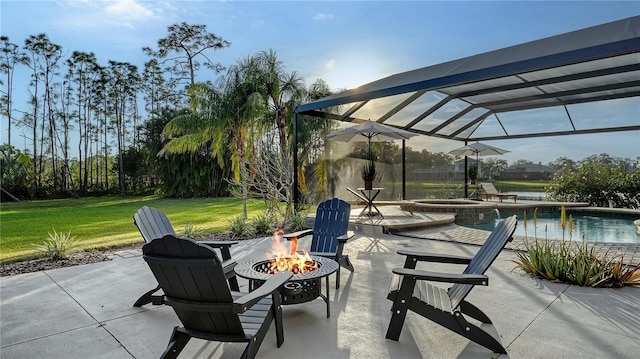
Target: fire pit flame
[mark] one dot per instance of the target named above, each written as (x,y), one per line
(283,259)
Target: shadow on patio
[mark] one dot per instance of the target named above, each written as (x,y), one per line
(86,311)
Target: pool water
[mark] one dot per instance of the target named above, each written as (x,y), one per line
(592,228)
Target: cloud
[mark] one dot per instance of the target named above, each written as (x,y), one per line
(322,16)
(94,15)
(330,65)
(128,9)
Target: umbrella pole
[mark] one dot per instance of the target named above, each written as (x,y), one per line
(404,172)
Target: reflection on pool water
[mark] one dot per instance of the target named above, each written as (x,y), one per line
(592,228)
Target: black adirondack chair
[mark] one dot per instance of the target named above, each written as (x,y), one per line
(193,281)
(153,223)
(329,233)
(409,289)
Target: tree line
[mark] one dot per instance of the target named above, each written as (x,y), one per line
(163,129)
(190,136)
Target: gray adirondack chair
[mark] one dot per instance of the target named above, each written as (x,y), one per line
(193,281)
(409,289)
(153,223)
(329,233)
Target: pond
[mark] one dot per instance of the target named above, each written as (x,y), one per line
(593,228)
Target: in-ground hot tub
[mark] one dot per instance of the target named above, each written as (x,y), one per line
(467,211)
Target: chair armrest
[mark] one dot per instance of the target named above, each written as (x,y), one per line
(223,246)
(434,257)
(475,279)
(345,237)
(302,233)
(271,285)
(218,244)
(228,267)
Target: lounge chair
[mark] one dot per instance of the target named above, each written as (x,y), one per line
(153,223)
(193,281)
(329,233)
(409,289)
(489,191)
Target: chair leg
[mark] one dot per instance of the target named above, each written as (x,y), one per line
(399,308)
(483,338)
(178,341)
(146,298)
(474,312)
(343,261)
(256,340)
(277,315)
(233,284)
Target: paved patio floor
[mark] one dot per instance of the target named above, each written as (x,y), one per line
(86,312)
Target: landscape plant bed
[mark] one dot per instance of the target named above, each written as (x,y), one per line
(80,258)
(41,264)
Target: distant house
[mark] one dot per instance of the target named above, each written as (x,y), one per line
(442,172)
(529,172)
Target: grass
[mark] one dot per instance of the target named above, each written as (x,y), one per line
(521,186)
(442,189)
(104,222)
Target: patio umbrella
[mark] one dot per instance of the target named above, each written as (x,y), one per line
(369,130)
(478,149)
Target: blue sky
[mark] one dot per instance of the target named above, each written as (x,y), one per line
(346,43)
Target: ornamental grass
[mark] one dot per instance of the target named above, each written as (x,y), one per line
(574,262)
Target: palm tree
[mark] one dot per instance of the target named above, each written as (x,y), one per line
(282,92)
(223,121)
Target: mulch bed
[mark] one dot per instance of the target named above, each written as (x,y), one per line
(74,259)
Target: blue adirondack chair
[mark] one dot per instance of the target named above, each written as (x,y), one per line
(329,233)
(409,289)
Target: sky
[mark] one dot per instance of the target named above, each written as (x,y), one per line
(345,43)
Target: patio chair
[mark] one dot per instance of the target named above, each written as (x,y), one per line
(193,281)
(409,289)
(329,233)
(489,191)
(153,223)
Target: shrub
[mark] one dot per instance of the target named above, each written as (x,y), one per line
(575,263)
(239,227)
(600,181)
(264,223)
(192,231)
(296,222)
(57,245)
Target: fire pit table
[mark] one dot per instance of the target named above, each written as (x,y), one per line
(301,288)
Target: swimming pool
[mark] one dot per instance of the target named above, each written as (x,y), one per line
(608,228)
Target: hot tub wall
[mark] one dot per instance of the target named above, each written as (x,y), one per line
(467,212)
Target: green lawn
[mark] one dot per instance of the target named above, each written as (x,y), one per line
(104,222)
(425,189)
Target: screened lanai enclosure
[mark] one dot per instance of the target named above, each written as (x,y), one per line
(554,86)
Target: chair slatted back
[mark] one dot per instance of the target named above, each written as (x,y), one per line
(332,221)
(192,272)
(483,259)
(152,223)
(489,188)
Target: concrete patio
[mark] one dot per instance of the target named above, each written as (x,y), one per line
(86,312)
